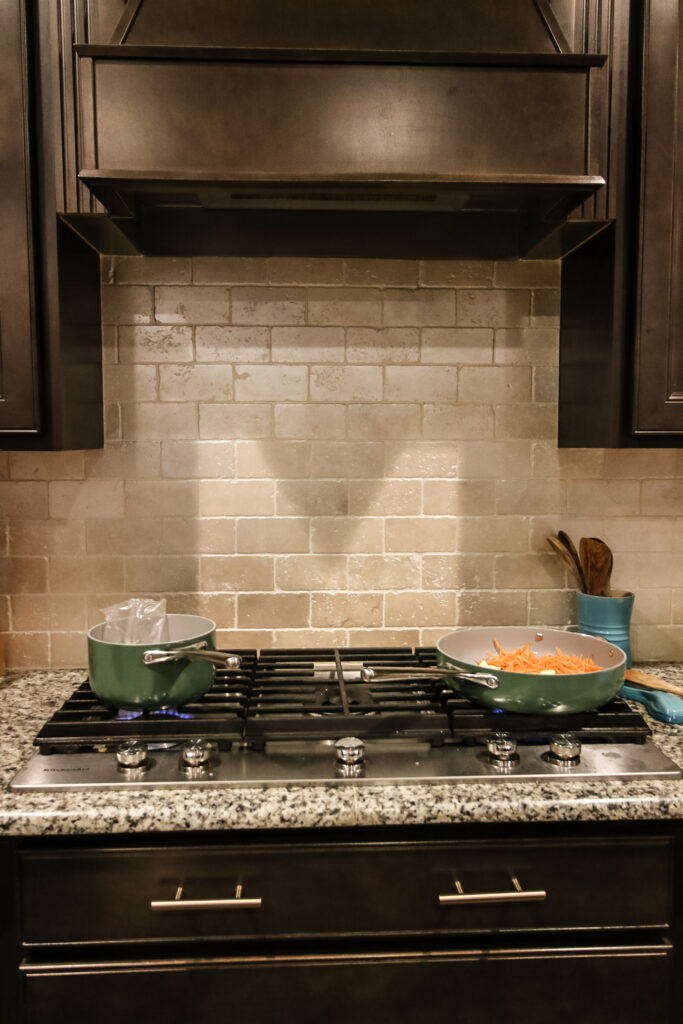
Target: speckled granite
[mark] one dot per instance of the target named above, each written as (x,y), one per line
(28,699)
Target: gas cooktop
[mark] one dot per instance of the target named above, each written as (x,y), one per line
(308,716)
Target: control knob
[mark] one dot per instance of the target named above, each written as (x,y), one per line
(565,749)
(502,748)
(131,754)
(195,753)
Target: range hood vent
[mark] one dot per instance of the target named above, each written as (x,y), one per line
(228,138)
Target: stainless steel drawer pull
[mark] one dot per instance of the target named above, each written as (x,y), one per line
(517,894)
(236,902)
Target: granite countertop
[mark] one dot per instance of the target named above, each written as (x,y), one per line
(28,699)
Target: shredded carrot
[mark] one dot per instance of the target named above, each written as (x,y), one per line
(523,659)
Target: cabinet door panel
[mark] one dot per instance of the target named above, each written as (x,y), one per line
(18,393)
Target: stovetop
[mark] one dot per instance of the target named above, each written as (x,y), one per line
(280,717)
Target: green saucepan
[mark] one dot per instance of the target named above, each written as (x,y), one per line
(145,677)
(526,692)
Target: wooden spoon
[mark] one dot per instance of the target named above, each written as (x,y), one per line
(650,682)
(599,558)
(565,554)
(565,539)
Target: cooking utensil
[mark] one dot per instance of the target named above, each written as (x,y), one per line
(144,677)
(568,543)
(650,682)
(459,653)
(566,556)
(596,561)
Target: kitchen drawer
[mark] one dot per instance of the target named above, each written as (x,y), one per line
(370,889)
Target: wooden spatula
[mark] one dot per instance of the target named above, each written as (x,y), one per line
(650,682)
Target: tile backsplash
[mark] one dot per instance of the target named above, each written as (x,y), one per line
(319,452)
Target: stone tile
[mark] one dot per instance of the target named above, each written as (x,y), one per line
(301,422)
(523,346)
(182,535)
(195,383)
(237,573)
(144,498)
(123,536)
(420,609)
(224,344)
(493,533)
(160,421)
(345,307)
(467,422)
(268,306)
(219,607)
(236,498)
(493,307)
(346,383)
(85,499)
(422,307)
(545,308)
(311,572)
(272,536)
(529,571)
(130,384)
(47,536)
(484,608)
(346,611)
(27,650)
(125,461)
(458,572)
(385,497)
(155,344)
(277,611)
(292,270)
(152,270)
(459,497)
(382,345)
(342,459)
(273,459)
(308,344)
(530,497)
(244,420)
(498,460)
(527,274)
(420,534)
(46,465)
(24,499)
(312,497)
(384,572)
(186,460)
(421,383)
(552,607)
(457,273)
(461,345)
(24,574)
(494,384)
(384,421)
(77,574)
(229,270)
(609,498)
(35,612)
(344,534)
(545,384)
(422,459)
(384,637)
(192,304)
(132,304)
(641,533)
(648,464)
(162,573)
(382,272)
(271,383)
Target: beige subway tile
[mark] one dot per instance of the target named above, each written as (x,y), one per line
(493,308)
(301,422)
(160,421)
(4,613)
(312,497)
(310,572)
(277,611)
(457,273)
(46,536)
(525,346)
(274,459)
(385,497)
(346,611)
(236,498)
(421,307)
(152,270)
(457,572)
(545,308)
(224,344)
(493,533)
(545,385)
(341,459)
(229,270)
(384,421)
(384,637)
(272,536)
(346,534)
(84,499)
(198,459)
(22,574)
(155,498)
(27,650)
(155,344)
(642,465)
(128,536)
(657,643)
(184,383)
(422,459)
(237,572)
(530,497)
(498,460)
(294,270)
(46,466)
(633,569)
(540,528)
(271,383)
(527,274)
(107,269)
(458,422)
(126,304)
(308,344)
(130,384)
(125,461)
(219,422)
(345,307)
(569,463)
(530,571)
(384,572)
(661,497)
(218,607)
(68,650)
(418,609)
(346,383)
(80,574)
(495,384)
(268,306)
(162,573)
(640,533)
(245,639)
(459,497)
(656,605)
(24,499)
(382,345)
(421,383)
(608,498)
(319,638)
(192,304)
(552,607)
(113,430)
(492,608)
(98,603)
(461,345)
(207,536)
(382,272)
(420,534)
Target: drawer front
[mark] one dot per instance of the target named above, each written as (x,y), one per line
(462,887)
(629,985)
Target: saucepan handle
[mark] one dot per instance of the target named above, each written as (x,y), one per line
(194,652)
(391,675)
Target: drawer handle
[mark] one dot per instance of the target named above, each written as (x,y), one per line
(238,901)
(517,894)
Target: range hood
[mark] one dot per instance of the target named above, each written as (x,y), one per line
(316,129)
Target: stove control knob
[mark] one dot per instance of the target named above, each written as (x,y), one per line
(350,750)
(502,747)
(131,754)
(565,748)
(196,753)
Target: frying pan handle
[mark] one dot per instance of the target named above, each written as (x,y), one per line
(391,675)
(195,652)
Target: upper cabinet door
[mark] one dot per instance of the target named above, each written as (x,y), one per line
(658,392)
(19,405)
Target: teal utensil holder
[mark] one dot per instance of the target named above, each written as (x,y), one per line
(608,617)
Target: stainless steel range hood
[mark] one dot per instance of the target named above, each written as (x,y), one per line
(309,132)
